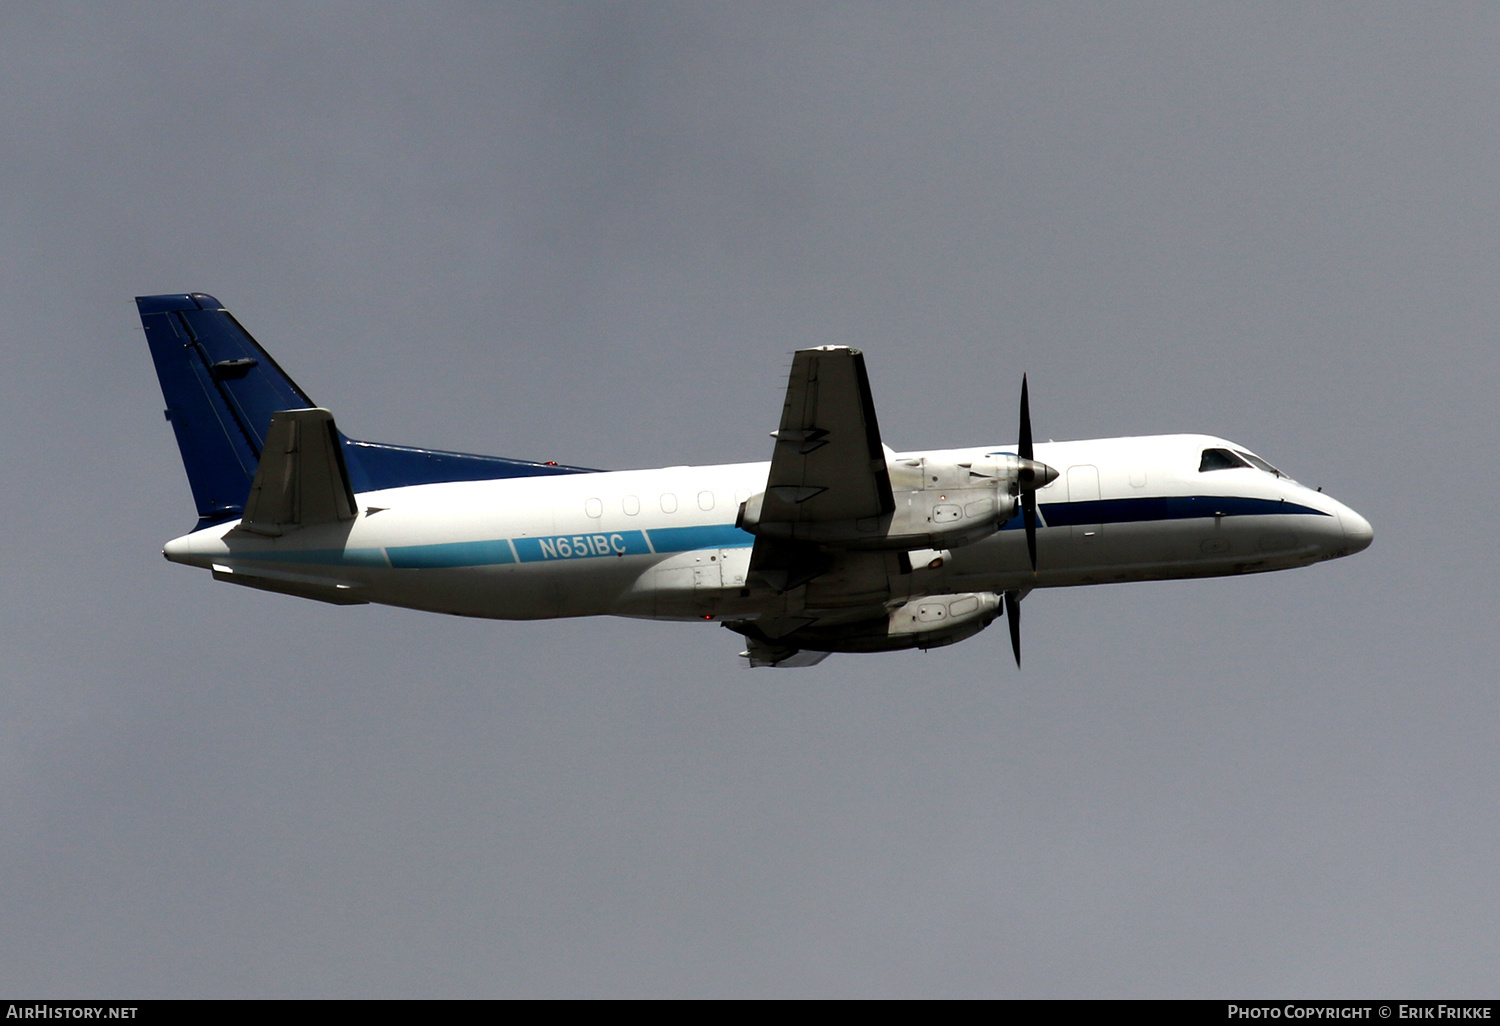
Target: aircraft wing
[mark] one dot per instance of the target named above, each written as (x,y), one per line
(827,465)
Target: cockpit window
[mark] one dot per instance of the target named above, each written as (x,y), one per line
(1219,459)
(1257,462)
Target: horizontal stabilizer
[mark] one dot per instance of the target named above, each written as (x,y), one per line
(335,592)
(301,480)
(758,653)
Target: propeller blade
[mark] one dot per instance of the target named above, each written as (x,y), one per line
(1029,485)
(1028,495)
(1013,618)
(1025,443)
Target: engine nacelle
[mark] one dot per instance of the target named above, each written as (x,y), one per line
(939,505)
(939,620)
(930,622)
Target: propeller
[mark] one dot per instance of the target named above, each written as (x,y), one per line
(1030,476)
(1028,494)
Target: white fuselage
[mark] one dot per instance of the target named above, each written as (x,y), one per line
(663,543)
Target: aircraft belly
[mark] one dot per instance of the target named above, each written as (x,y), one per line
(523,592)
(501,593)
(1203,547)
(693,585)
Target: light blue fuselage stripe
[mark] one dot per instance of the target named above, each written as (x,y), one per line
(687,539)
(474,553)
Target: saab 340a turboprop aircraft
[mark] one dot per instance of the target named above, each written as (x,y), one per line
(837,545)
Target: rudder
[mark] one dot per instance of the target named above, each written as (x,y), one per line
(221,389)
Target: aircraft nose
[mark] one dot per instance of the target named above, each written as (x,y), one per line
(1357,530)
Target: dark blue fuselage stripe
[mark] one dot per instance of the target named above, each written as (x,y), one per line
(1152,508)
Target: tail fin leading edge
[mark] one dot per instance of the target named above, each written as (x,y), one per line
(221,389)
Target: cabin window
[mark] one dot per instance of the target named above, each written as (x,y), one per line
(594,508)
(631,505)
(668,503)
(705,501)
(1220,459)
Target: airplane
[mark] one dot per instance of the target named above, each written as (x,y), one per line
(838,544)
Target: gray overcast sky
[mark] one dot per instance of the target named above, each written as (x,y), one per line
(593,233)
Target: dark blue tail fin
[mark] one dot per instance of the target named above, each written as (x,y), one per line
(221,389)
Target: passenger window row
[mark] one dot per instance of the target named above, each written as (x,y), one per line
(630,505)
